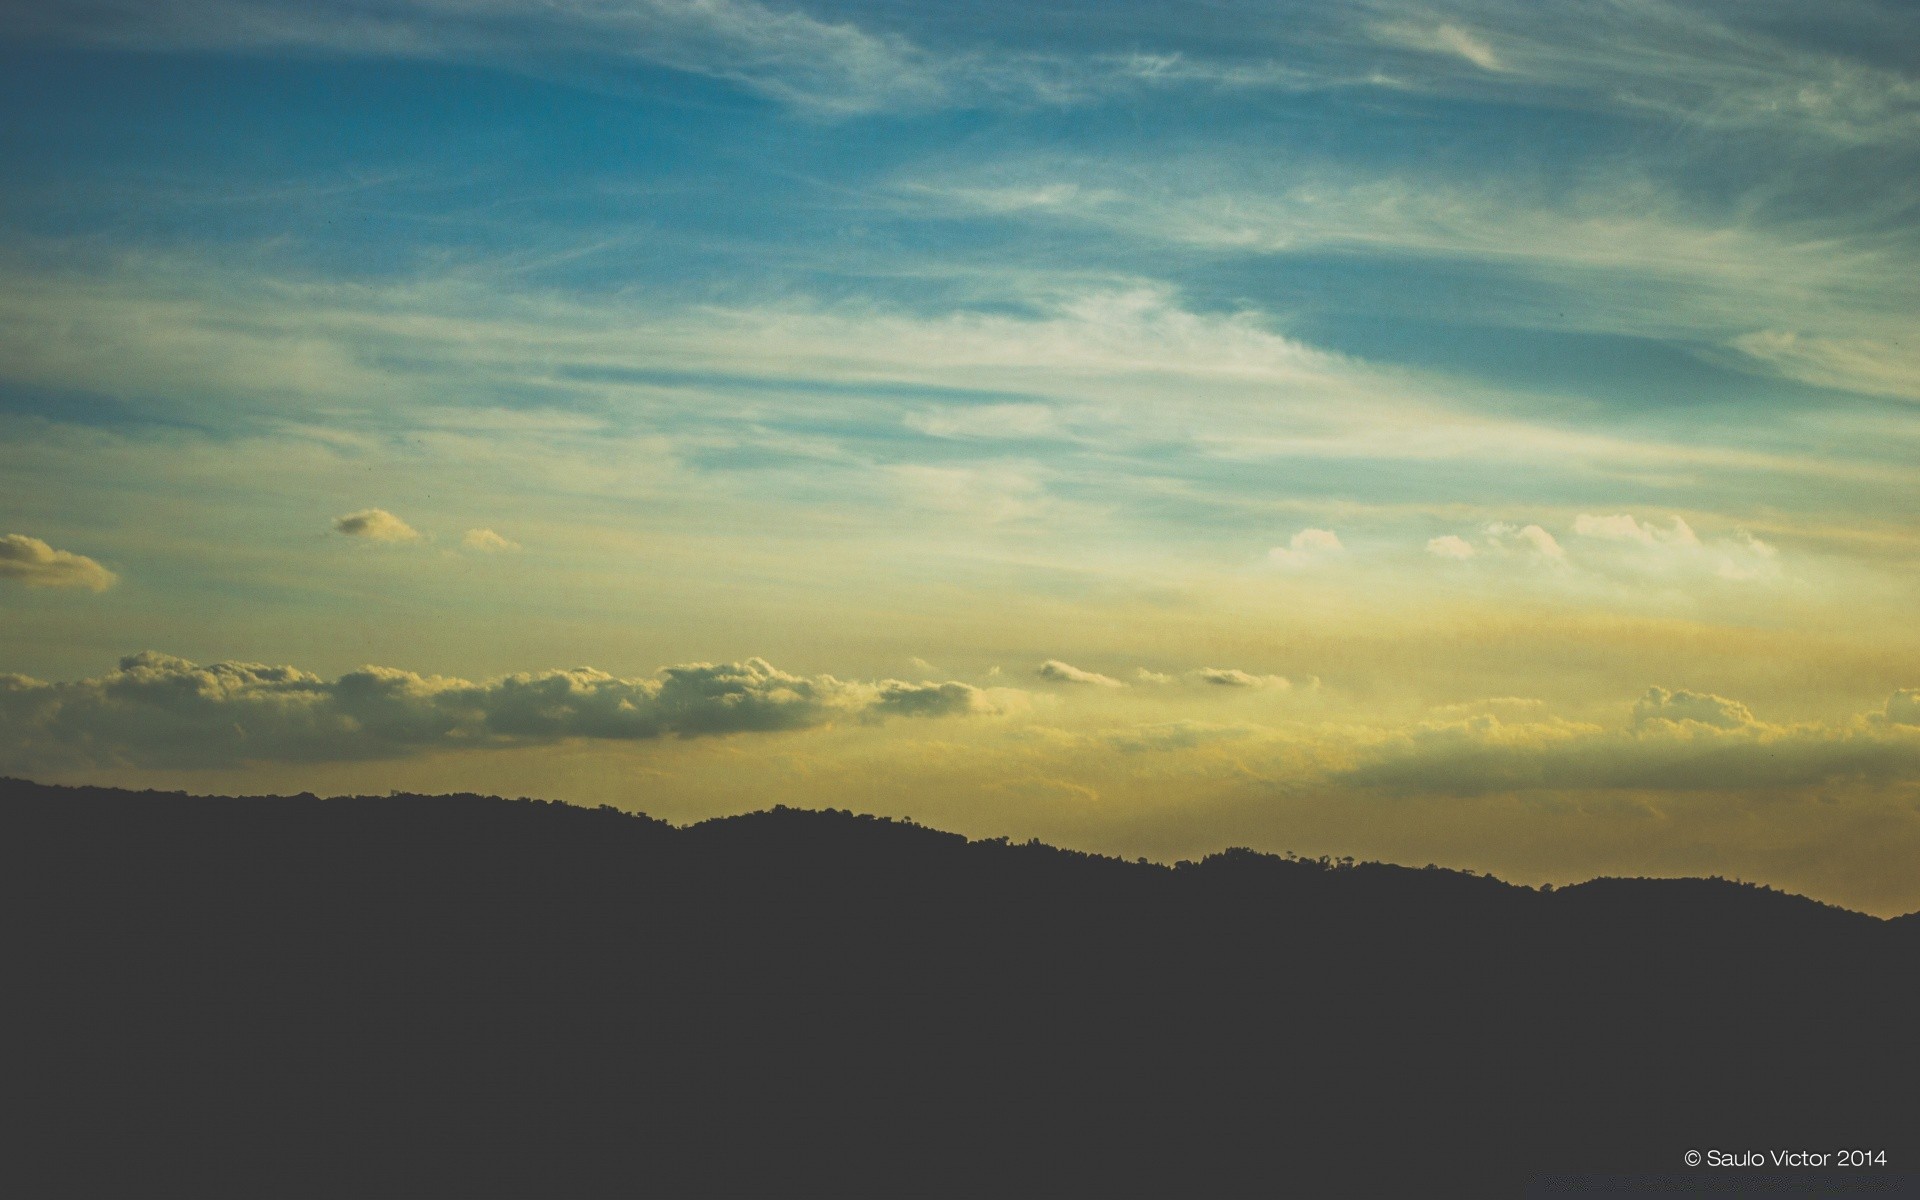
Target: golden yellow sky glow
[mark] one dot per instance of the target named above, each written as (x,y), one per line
(1474,433)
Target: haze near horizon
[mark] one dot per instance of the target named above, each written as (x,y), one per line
(1468,432)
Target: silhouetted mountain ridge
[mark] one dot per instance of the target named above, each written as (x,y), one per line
(466,995)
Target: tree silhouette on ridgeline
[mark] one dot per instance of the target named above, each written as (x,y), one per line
(469,996)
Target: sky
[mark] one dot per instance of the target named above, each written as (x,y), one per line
(1477,432)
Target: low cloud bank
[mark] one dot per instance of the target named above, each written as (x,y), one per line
(156,709)
(1674,740)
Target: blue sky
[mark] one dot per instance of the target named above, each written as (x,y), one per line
(1463,376)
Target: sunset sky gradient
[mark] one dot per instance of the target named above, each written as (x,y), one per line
(1477,432)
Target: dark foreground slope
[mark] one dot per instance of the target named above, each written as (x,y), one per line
(464,996)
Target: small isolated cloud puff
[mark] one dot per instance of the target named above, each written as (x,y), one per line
(1060,672)
(486,541)
(1154,677)
(1660,707)
(31,561)
(1450,546)
(376,525)
(1307,547)
(161,710)
(1232,678)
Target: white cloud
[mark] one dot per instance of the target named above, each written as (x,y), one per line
(1740,557)
(1441,39)
(1530,540)
(1872,366)
(1306,548)
(375,525)
(988,422)
(1660,706)
(31,561)
(1231,677)
(1709,65)
(1060,672)
(1153,677)
(1450,545)
(827,67)
(1745,557)
(487,541)
(158,709)
(1622,527)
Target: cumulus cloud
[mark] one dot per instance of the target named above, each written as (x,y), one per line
(893,698)
(1745,557)
(161,710)
(485,541)
(1527,539)
(1060,672)
(1622,527)
(376,525)
(31,561)
(1740,557)
(1450,546)
(1903,707)
(1702,708)
(1230,677)
(1306,548)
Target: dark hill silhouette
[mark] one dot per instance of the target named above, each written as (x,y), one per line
(416,996)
